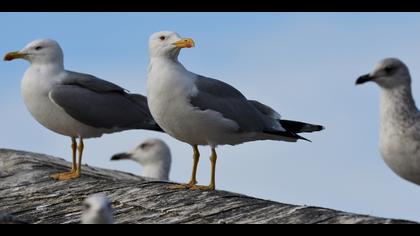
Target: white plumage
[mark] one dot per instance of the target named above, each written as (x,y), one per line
(154,155)
(204,111)
(399,138)
(74,104)
(97,210)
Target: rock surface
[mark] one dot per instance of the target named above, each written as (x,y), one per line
(27,194)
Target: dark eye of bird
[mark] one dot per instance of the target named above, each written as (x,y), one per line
(146,146)
(86,206)
(389,69)
(38,48)
(162,38)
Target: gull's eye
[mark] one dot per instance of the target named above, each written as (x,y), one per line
(162,38)
(38,48)
(389,69)
(86,206)
(144,145)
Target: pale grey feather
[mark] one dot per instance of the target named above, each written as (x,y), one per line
(91,82)
(266,110)
(289,125)
(102,104)
(221,97)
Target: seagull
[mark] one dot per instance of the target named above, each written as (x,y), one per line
(202,111)
(155,157)
(97,210)
(399,138)
(74,104)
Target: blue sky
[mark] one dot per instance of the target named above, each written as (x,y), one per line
(302,64)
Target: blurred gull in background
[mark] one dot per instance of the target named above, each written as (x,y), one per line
(155,157)
(399,142)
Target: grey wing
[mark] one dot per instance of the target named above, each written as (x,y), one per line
(102,104)
(91,82)
(289,125)
(221,97)
(266,110)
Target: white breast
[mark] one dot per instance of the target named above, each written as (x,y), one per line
(167,97)
(398,145)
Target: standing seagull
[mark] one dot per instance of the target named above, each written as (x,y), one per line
(203,111)
(154,155)
(76,105)
(399,138)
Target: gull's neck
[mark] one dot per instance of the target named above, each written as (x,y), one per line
(157,170)
(398,106)
(166,60)
(47,68)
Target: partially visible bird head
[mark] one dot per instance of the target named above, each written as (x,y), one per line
(168,44)
(97,210)
(149,152)
(388,73)
(42,51)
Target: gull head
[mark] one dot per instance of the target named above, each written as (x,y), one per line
(150,152)
(97,210)
(388,73)
(168,44)
(42,51)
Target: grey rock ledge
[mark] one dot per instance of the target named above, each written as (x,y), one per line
(27,194)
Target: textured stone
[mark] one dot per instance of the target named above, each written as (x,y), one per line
(27,194)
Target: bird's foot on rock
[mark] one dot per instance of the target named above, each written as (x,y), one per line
(203,188)
(65,176)
(190,185)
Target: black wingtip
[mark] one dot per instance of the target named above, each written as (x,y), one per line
(286,134)
(300,127)
(156,127)
(313,128)
(303,138)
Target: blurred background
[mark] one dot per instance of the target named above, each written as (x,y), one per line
(303,65)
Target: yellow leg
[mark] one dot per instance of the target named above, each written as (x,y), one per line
(74,149)
(193,181)
(74,163)
(212,185)
(76,168)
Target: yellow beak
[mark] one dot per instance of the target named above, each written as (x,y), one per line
(13,55)
(184,43)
